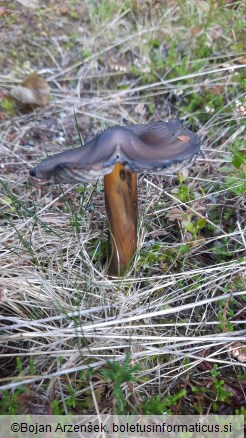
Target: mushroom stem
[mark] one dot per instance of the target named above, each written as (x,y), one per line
(120,188)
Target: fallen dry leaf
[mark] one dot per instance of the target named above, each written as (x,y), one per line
(33,4)
(205,365)
(238,351)
(242,60)
(175,213)
(217,89)
(64,10)
(158,233)
(195,30)
(203,6)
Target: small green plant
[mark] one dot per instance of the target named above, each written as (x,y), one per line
(241,411)
(224,313)
(186,218)
(183,192)
(7,105)
(214,393)
(203,104)
(102,10)
(159,406)
(71,403)
(221,394)
(157,254)
(117,374)
(32,366)
(235,172)
(71,399)
(193,226)
(238,155)
(56,408)
(236,185)
(9,401)
(19,365)
(74,15)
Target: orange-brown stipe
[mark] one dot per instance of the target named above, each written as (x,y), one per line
(120,191)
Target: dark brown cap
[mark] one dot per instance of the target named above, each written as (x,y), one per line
(144,148)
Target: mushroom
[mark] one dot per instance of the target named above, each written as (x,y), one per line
(117,154)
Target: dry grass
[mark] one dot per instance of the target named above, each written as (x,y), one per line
(182,304)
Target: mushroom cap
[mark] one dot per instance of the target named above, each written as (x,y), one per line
(144,148)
